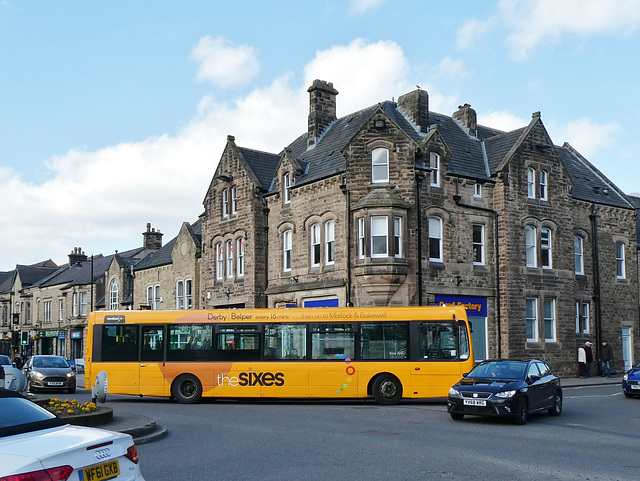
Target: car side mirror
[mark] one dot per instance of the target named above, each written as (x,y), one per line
(465,374)
(73,369)
(534,377)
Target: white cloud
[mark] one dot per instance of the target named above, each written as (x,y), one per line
(362,6)
(531,24)
(223,63)
(502,120)
(449,68)
(581,134)
(102,200)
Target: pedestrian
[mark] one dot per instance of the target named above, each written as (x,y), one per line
(606,356)
(589,352)
(582,361)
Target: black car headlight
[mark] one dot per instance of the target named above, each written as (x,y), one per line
(454,393)
(505,394)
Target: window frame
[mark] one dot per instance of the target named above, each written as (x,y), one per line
(531,183)
(478,244)
(330,242)
(397,237)
(620,261)
(531,246)
(531,319)
(477,190)
(434,164)
(315,246)
(549,320)
(436,239)
(114,294)
(286,188)
(287,245)
(225,203)
(583,317)
(219,253)
(380,164)
(180,294)
(229,258)
(234,200)
(546,248)
(240,256)
(379,221)
(543,185)
(578,255)
(361,238)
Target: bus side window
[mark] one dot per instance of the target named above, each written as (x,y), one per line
(285,341)
(437,341)
(120,343)
(237,343)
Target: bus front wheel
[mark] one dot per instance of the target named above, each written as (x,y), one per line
(186,389)
(387,389)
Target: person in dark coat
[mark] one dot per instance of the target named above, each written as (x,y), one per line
(606,356)
(589,353)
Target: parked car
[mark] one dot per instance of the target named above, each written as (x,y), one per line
(35,444)
(510,388)
(631,381)
(49,373)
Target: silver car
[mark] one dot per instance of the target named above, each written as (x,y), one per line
(49,373)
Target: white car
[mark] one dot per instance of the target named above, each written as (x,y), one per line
(37,445)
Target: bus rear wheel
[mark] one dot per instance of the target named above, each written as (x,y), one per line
(186,389)
(387,389)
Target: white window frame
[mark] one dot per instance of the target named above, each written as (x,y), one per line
(240,256)
(582,313)
(315,246)
(150,296)
(234,200)
(435,236)
(546,247)
(188,294)
(379,230)
(229,255)
(329,242)
(179,294)
(531,319)
(434,164)
(380,165)
(478,245)
(620,261)
(543,187)
(287,244)
(578,255)
(157,299)
(549,317)
(397,237)
(74,304)
(114,293)
(47,311)
(219,261)
(286,185)
(225,203)
(531,183)
(83,304)
(361,244)
(477,190)
(531,247)
(60,309)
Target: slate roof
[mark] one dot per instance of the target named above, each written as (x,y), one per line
(476,158)
(79,274)
(636,202)
(6,281)
(263,165)
(162,256)
(30,275)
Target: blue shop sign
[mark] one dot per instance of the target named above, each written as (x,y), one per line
(76,334)
(62,335)
(476,306)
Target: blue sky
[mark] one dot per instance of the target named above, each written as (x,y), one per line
(114,114)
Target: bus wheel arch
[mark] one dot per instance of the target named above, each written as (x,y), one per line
(386,388)
(186,389)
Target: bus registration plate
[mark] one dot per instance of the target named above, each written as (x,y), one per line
(101,472)
(475,402)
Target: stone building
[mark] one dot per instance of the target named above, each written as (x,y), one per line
(169,278)
(399,205)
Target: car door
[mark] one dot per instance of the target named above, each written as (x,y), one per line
(536,387)
(549,385)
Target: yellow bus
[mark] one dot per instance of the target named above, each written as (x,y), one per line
(387,353)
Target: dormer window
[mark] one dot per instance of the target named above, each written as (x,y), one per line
(434,163)
(379,165)
(286,185)
(537,184)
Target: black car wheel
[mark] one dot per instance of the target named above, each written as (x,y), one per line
(186,389)
(387,389)
(523,412)
(457,416)
(626,394)
(556,409)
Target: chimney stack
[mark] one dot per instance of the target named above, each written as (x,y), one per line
(322,108)
(152,239)
(77,255)
(466,116)
(416,105)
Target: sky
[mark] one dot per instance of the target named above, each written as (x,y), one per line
(115,114)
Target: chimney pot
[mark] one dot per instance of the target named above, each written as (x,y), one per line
(466,117)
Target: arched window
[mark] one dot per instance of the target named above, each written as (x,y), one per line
(530,246)
(329,242)
(434,163)
(286,186)
(240,257)
(315,245)
(545,248)
(578,256)
(113,294)
(219,261)
(379,165)
(286,250)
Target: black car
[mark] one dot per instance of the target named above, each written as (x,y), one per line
(49,373)
(503,387)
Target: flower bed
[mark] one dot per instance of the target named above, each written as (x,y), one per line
(69,407)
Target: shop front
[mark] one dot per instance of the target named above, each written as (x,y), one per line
(477,313)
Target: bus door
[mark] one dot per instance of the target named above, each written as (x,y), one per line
(151,373)
(438,359)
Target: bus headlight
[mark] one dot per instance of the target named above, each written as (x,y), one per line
(453,392)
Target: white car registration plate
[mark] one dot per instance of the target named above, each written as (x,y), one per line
(475,402)
(55,383)
(635,386)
